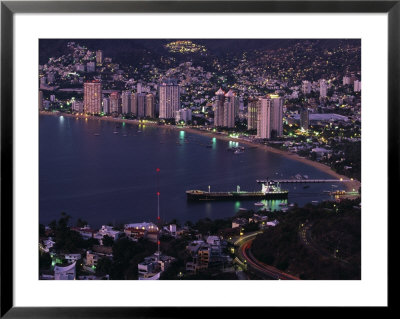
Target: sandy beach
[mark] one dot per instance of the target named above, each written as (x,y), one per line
(349,186)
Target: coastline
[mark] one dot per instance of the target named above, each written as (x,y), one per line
(349,186)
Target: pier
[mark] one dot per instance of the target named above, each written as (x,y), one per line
(281,181)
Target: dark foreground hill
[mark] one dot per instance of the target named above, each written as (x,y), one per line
(315,242)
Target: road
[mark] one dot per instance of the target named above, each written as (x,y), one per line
(246,259)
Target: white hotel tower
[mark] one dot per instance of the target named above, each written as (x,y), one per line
(270,117)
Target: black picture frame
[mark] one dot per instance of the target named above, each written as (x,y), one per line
(9,8)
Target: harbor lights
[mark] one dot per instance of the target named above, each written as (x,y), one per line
(209,188)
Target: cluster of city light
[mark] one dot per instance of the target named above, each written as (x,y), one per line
(185,47)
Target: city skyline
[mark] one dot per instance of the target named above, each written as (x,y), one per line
(184,129)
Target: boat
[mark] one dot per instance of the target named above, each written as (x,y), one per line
(291,205)
(139,131)
(338,192)
(269,190)
(314,201)
(298,176)
(259,204)
(115,132)
(238,151)
(282,204)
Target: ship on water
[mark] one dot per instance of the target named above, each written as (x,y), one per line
(269,190)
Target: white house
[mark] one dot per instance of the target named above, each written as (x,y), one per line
(238,222)
(213,240)
(272,223)
(71,258)
(65,273)
(109,231)
(47,244)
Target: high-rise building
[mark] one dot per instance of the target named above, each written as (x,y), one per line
(183,115)
(276,116)
(77,106)
(264,118)
(126,99)
(236,102)
(90,67)
(150,106)
(134,106)
(357,86)
(40,100)
(92,97)
(306,87)
(106,105)
(114,103)
(80,67)
(252,112)
(169,97)
(346,80)
(304,118)
(99,57)
(229,109)
(141,105)
(270,117)
(323,87)
(219,108)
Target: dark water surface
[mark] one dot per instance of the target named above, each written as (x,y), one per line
(90,172)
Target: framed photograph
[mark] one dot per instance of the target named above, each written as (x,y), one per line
(159,155)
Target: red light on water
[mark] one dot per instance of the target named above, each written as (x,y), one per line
(158,193)
(159,242)
(157,169)
(158,217)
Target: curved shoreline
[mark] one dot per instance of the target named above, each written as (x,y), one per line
(322,167)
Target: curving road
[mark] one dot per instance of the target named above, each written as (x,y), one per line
(245,255)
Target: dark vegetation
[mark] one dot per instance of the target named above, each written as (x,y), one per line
(126,257)
(68,240)
(334,234)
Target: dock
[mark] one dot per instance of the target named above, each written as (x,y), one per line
(299,181)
